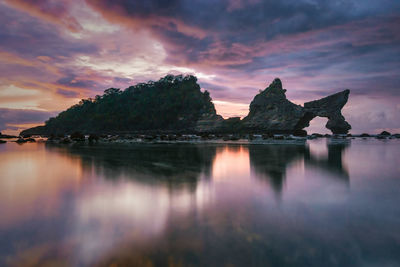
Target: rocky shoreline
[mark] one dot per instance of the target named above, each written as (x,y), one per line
(194,138)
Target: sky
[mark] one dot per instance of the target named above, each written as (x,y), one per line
(55,52)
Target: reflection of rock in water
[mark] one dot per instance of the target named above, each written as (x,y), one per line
(270,162)
(333,162)
(173,165)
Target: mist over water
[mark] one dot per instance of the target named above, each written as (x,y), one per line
(320,204)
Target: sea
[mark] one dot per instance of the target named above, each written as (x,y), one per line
(320,203)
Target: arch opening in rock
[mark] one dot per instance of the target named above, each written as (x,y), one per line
(318,125)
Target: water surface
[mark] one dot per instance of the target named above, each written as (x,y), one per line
(201,205)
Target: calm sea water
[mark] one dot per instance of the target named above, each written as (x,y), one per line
(201,205)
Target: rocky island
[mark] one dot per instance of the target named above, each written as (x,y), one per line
(176,104)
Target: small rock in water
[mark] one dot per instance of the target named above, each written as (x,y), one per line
(267,136)
(317,135)
(279,137)
(385,133)
(300,133)
(65,140)
(235,137)
(93,137)
(77,136)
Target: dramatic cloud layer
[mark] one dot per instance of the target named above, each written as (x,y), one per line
(53,53)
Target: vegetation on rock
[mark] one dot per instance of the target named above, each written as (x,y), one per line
(172,103)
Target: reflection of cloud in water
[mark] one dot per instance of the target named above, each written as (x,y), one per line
(142,196)
(148,183)
(29,188)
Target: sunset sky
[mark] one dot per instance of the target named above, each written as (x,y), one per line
(55,52)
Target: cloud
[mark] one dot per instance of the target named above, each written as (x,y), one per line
(11,117)
(30,37)
(49,10)
(67,93)
(66,50)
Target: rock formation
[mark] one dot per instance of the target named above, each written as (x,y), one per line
(270,111)
(176,104)
(330,107)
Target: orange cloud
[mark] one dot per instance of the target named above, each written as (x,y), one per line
(51,11)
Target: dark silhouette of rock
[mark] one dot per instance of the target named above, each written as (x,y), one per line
(77,136)
(6,136)
(209,122)
(317,135)
(271,111)
(385,133)
(330,107)
(94,138)
(21,140)
(301,133)
(175,104)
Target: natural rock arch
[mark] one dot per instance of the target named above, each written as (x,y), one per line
(328,107)
(271,111)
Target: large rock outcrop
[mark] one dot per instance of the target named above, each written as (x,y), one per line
(176,104)
(270,111)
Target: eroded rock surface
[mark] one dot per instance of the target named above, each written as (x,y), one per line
(331,108)
(271,111)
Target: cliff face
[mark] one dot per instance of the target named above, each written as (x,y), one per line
(270,111)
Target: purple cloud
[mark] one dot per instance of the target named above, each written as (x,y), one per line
(66,51)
